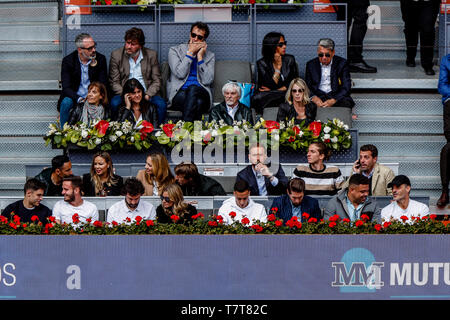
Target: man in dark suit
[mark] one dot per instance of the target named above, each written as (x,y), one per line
(78,70)
(262,181)
(133,60)
(328,78)
(295,203)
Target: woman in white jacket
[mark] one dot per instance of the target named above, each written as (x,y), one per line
(242,206)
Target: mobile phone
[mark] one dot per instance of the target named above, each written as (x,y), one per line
(358,164)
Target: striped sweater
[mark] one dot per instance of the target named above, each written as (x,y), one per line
(324,182)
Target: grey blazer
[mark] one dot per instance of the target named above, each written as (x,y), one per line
(180,66)
(338,205)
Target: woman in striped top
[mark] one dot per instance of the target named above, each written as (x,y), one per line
(319,178)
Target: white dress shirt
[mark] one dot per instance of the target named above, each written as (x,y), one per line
(135,70)
(325,80)
(119,212)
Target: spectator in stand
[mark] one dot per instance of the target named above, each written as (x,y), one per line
(298,105)
(53,177)
(420,19)
(275,71)
(379,176)
(136,108)
(357,16)
(231,109)
(93,108)
(402,204)
(242,205)
(444,90)
(101,181)
(31,205)
(295,202)
(193,183)
(133,60)
(132,206)
(173,209)
(353,202)
(328,78)
(156,174)
(73,203)
(319,178)
(260,176)
(191,74)
(78,70)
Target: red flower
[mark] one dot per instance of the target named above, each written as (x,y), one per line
(278,223)
(315,127)
(114,223)
(127,219)
(168,129)
(174,218)
(108,2)
(232,214)
(377,227)
(101,127)
(252,1)
(346,220)
(76,218)
(16,218)
(88,220)
(386,224)
(219,218)
(138,218)
(13,225)
(34,218)
(197,216)
(274,209)
(291,139)
(146,129)
(212,223)
(404,218)
(359,223)
(312,220)
(296,130)
(271,217)
(305,215)
(332,224)
(245,221)
(271,125)
(365,217)
(149,223)
(3,219)
(433,216)
(24,225)
(257,228)
(98,224)
(334,218)
(51,219)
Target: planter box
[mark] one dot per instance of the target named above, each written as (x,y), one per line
(205,13)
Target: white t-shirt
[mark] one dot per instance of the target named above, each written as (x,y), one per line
(415,209)
(254,211)
(119,212)
(64,211)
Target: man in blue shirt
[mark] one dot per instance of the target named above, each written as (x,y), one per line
(295,203)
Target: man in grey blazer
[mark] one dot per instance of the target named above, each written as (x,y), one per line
(133,60)
(191,74)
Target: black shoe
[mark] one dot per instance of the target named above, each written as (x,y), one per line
(443,200)
(429,71)
(410,63)
(361,67)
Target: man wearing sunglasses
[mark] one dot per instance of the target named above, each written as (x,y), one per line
(78,70)
(191,74)
(328,77)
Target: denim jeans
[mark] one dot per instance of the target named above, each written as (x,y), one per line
(193,102)
(66,105)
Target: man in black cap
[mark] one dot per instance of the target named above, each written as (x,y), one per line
(402,204)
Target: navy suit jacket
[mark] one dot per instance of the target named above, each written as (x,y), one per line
(308,205)
(341,82)
(248,175)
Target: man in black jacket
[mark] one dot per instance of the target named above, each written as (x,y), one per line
(53,177)
(78,70)
(328,78)
(193,183)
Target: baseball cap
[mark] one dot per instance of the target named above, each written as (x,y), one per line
(399,180)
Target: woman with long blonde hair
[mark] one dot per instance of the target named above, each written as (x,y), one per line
(173,209)
(101,181)
(156,175)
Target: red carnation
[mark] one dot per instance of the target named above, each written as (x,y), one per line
(365,217)
(76,218)
(334,218)
(433,216)
(346,220)
(332,224)
(245,221)
(305,215)
(114,223)
(404,218)
(232,214)
(34,218)
(257,228)
(278,223)
(377,227)
(359,223)
(312,220)
(138,218)
(212,223)
(98,224)
(271,217)
(174,218)
(386,224)
(149,223)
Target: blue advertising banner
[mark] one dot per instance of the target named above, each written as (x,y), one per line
(239,267)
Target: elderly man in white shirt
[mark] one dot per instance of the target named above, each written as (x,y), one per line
(242,206)
(402,204)
(126,210)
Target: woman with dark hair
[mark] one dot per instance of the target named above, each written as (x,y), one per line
(275,71)
(136,108)
(101,181)
(93,108)
(172,204)
(319,178)
(298,105)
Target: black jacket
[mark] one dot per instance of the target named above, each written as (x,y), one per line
(248,175)
(71,75)
(151,115)
(219,112)
(341,82)
(113,190)
(265,69)
(203,186)
(51,190)
(287,112)
(162,217)
(76,112)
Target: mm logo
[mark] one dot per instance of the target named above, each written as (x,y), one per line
(357,272)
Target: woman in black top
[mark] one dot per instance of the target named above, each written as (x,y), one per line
(298,105)
(275,71)
(136,108)
(93,108)
(101,181)
(173,209)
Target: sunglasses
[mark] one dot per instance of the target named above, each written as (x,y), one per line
(166,199)
(199,37)
(324,54)
(90,48)
(280,44)
(298,90)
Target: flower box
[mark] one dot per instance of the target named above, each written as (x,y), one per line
(202,12)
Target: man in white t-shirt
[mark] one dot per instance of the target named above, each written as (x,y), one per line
(402,204)
(73,203)
(132,206)
(242,206)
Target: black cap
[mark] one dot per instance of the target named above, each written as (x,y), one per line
(399,180)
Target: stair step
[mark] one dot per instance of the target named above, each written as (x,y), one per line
(426,168)
(390,124)
(33,12)
(26,32)
(26,147)
(13,126)
(38,107)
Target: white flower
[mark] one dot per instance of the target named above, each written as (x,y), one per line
(132,139)
(214,133)
(326,129)
(119,133)
(346,127)
(113,138)
(158,133)
(300,133)
(84,134)
(334,139)
(326,136)
(98,141)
